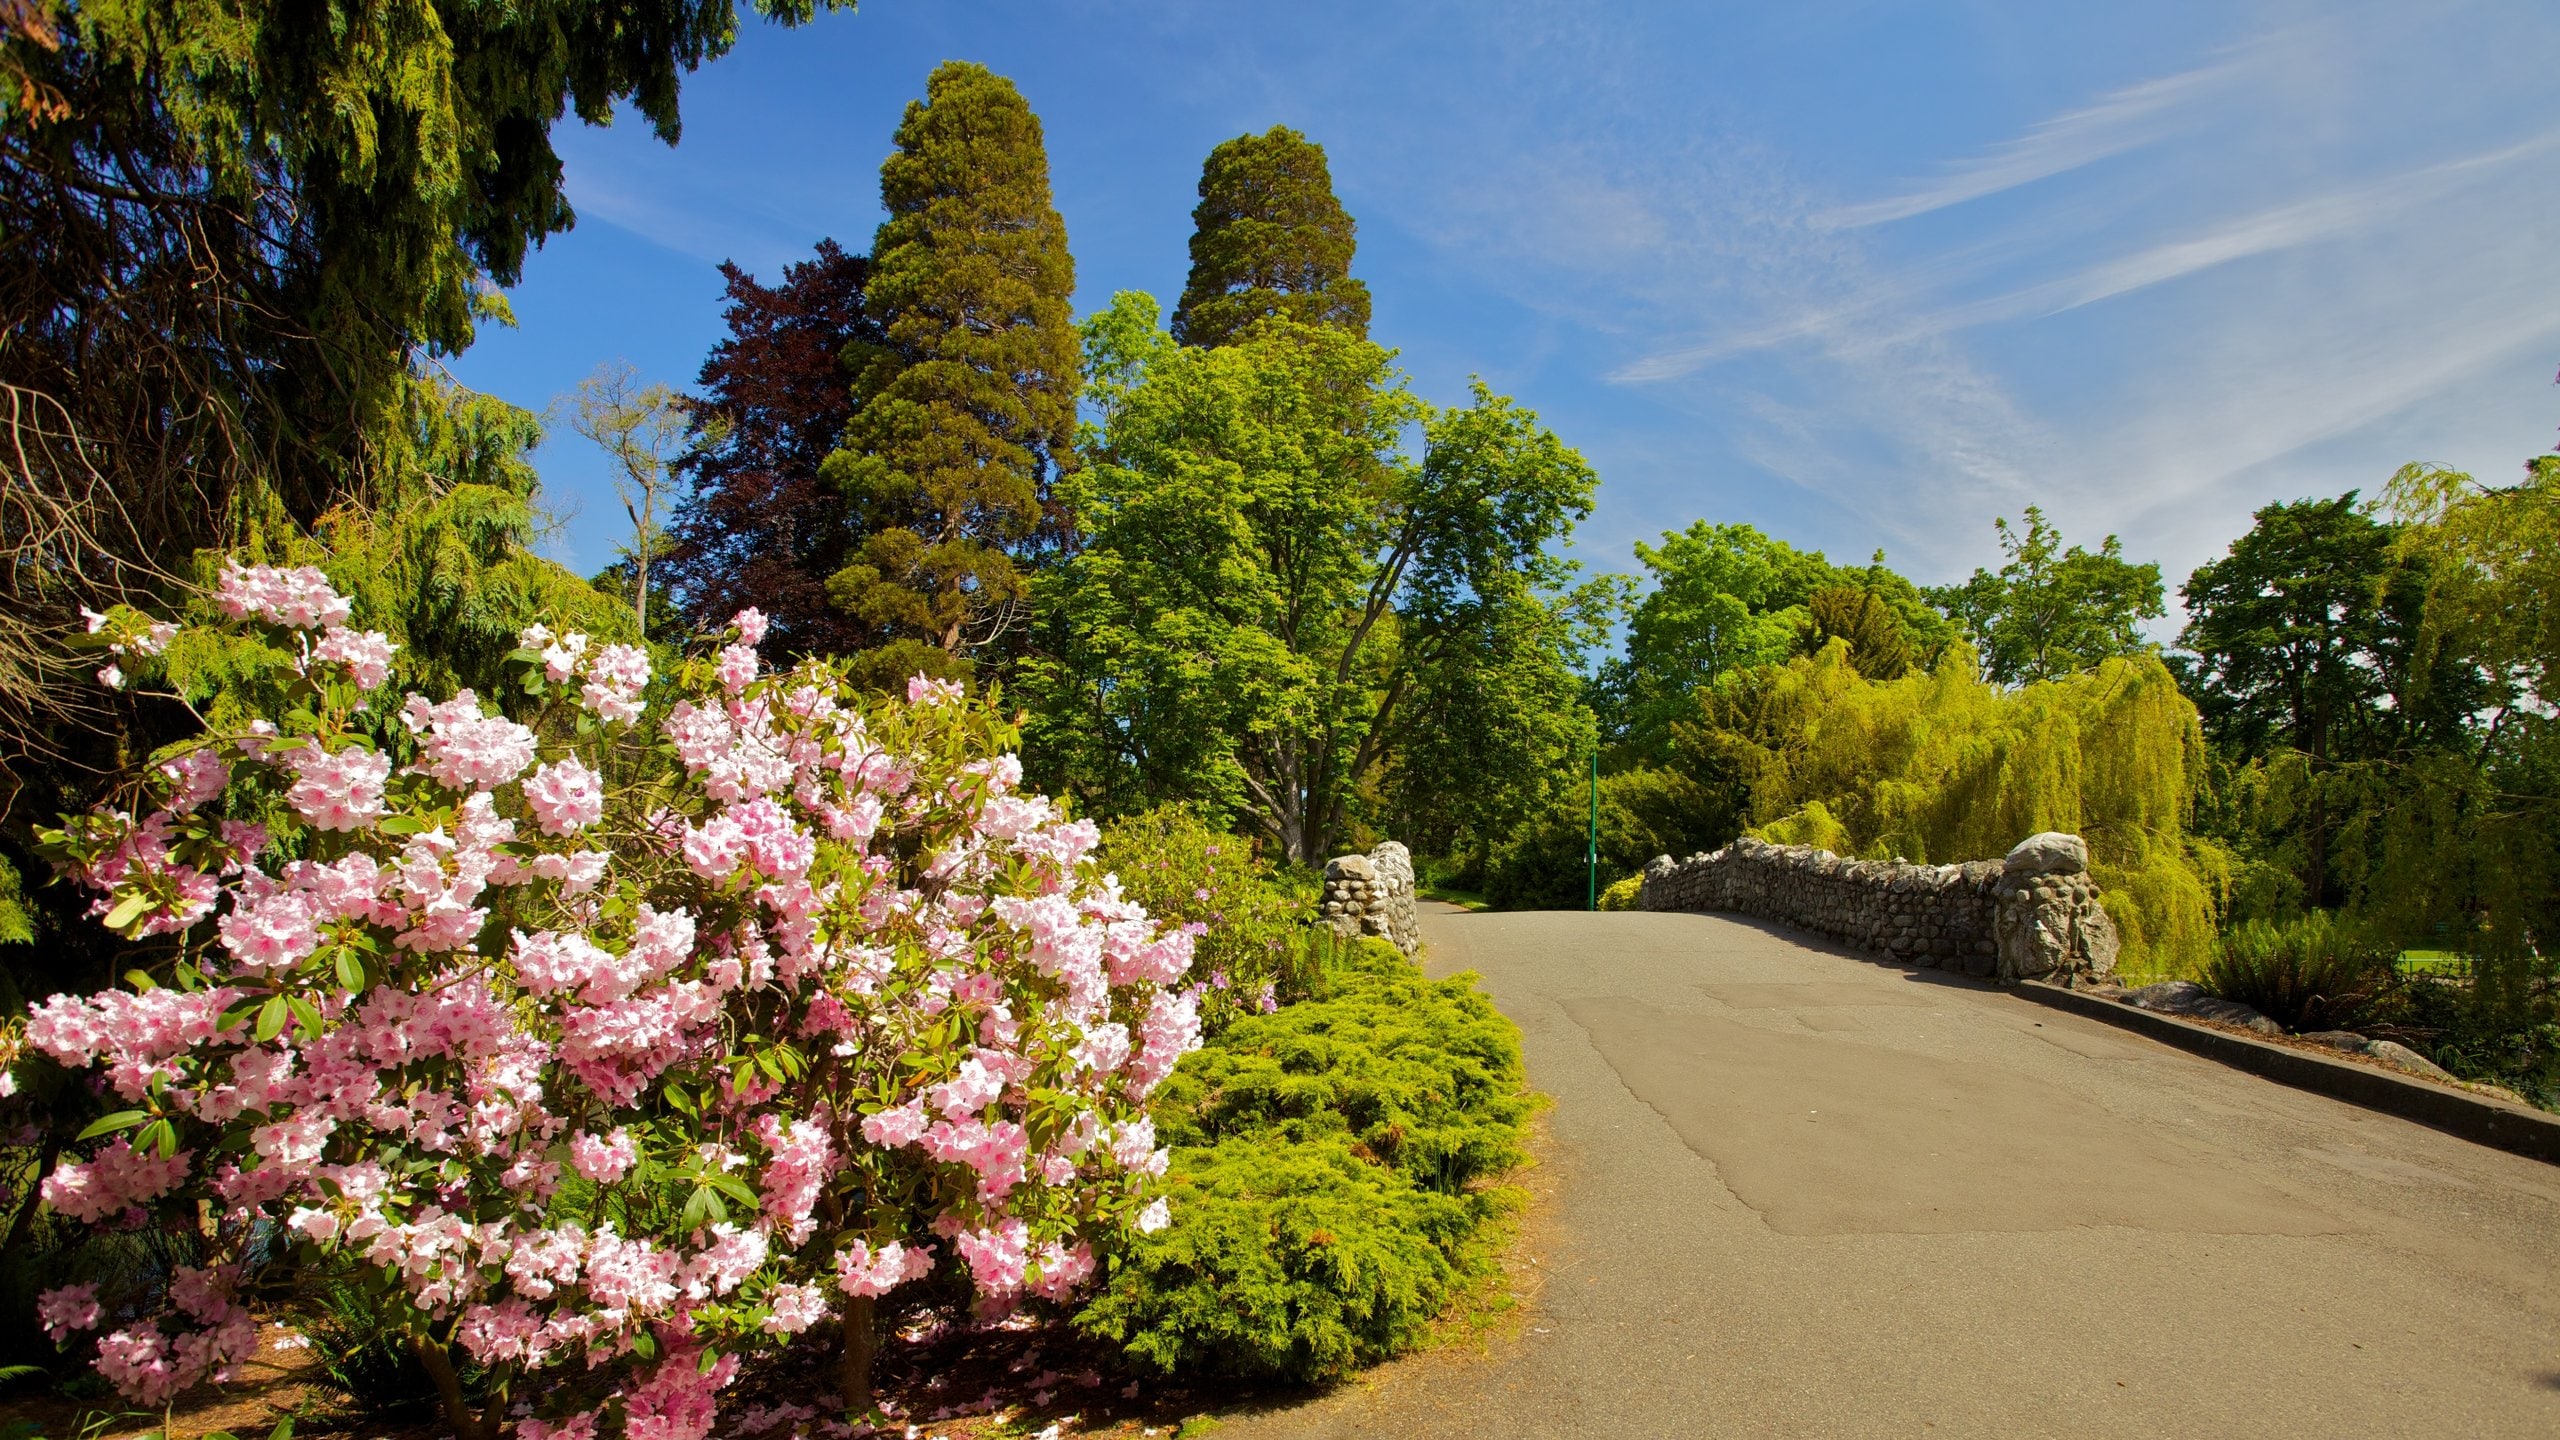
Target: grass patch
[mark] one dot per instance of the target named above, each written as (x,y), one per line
(1452,895)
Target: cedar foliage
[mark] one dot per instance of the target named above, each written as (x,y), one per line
(1940,766)
(1329,1181)
(1269,238)
(230,227)
(758,527)
(966,401)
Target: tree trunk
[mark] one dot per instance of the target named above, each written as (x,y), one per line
(853,1366)
(457,1409)
(19,1223)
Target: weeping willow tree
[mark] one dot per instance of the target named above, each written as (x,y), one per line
(1938,765)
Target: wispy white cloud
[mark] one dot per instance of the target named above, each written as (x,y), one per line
(2113,124)
(2337,214)
(1893,308)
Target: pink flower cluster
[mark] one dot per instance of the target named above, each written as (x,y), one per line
(819,962)
(366,655)
(299,598)
(464,748)
(127,635)
(341,791)
(613,675)
(152,1364)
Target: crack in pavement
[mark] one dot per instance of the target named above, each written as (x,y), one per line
(1822,1136)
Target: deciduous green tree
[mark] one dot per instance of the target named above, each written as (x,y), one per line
(2470,839)
(1726,598)
(2302,654)
(2052,610)
(1265,583)
(1269,238)
(1942,765)
(966,404)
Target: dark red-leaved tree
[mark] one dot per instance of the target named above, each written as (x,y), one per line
(758,527)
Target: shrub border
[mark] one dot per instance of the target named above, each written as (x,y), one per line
(2477,1118)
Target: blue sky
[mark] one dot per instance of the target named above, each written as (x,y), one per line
(1862,274)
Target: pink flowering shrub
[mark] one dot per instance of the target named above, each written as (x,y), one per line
(1256,949)
(650,1025)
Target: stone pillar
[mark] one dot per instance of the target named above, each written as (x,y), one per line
(2050,924)
(1372,894)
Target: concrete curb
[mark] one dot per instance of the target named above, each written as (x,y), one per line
(2477,1118)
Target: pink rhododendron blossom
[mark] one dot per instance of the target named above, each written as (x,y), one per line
(66,1309)
(300,598)
(606,1158)
(1063,1270)
(997,1256)
(615,678)
(896,1126)
(565,796)
(813,954)
(272,933)
(117,1178)
(576,1427)
(340,791)
(679,1399)
(464,748)
(861,1270)
(194,778)
(795,1308)
(1156,1216)
(366,654)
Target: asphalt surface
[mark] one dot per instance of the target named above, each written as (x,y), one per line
(1792,1191)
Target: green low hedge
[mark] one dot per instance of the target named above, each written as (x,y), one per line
(1332,1180)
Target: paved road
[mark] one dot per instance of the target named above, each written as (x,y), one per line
(1794,1192)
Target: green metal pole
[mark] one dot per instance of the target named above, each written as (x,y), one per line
(1592,902)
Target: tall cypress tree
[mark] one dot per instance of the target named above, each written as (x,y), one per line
(966,402)
(1269,238)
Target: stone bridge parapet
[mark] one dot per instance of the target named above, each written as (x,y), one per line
(2032,915)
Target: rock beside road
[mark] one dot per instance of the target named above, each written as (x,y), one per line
(2187,998)
(2389,1052)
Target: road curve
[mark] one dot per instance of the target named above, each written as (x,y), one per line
(1792,1191)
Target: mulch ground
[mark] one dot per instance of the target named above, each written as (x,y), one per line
(943,1377)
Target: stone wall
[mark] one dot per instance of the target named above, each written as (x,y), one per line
(1372,894)
(2033,915)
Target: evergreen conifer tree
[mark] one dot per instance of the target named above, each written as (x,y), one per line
(1269,238)
(966,402)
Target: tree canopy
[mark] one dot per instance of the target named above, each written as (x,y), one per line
(965,403)
(1269,238)
(2051,610)
(230,228)
(1941,765)
(1268,591)
(1726,598)
(757,526)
